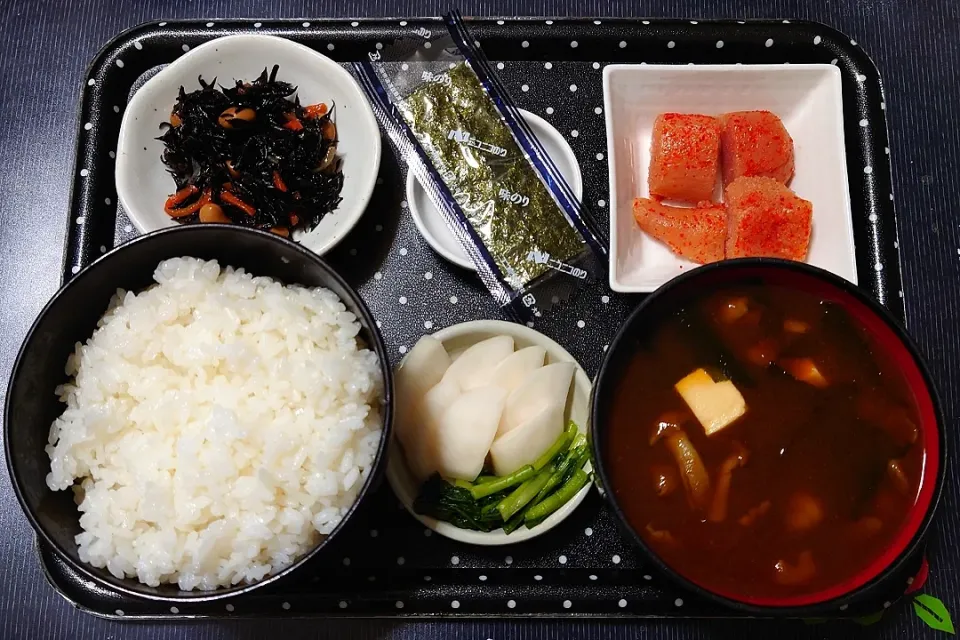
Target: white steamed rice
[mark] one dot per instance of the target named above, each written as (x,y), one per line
(218,422)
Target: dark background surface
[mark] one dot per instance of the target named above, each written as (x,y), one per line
(46,47)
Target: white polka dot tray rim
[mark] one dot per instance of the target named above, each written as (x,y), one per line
(389,564)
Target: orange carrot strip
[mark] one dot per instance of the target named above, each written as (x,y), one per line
(233,200)
(315,110)
(172,205)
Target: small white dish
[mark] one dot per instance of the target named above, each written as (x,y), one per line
(431,223)
(456,339)
(807,97)
(143,183)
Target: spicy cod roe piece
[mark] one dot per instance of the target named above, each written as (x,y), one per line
(755,143)
(766,220)
(684,157)
(695,234)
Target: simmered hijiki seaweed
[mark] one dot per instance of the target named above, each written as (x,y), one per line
(252,155)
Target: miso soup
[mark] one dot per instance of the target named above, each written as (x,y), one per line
(762,445)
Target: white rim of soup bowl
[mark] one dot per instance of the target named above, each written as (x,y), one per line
(405,488)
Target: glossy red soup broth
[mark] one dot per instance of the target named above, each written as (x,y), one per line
(808,494)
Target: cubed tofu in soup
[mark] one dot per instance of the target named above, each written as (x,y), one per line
(684,157)
(754,144)
(715,404)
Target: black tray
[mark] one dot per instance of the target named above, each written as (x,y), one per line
(387,564)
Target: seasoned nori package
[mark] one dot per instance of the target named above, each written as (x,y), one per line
(503,197)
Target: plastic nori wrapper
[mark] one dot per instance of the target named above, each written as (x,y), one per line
(500,193)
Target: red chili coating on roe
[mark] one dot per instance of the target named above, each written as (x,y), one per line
(766,219)
(684,157)
(753,144)
(695,234)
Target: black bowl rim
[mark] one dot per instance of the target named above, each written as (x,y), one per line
(386,371)
(878,310)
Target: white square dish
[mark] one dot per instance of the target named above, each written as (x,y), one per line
(807,97)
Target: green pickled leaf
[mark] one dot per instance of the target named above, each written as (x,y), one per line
(933,613)
(866,621)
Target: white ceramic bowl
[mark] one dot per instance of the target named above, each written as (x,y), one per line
(431,223)
(143,183)
(455,339)
(807,97)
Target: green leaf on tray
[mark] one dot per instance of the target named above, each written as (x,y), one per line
(866,621)
(933,613)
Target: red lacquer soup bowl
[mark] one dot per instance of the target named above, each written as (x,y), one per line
(833,531)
